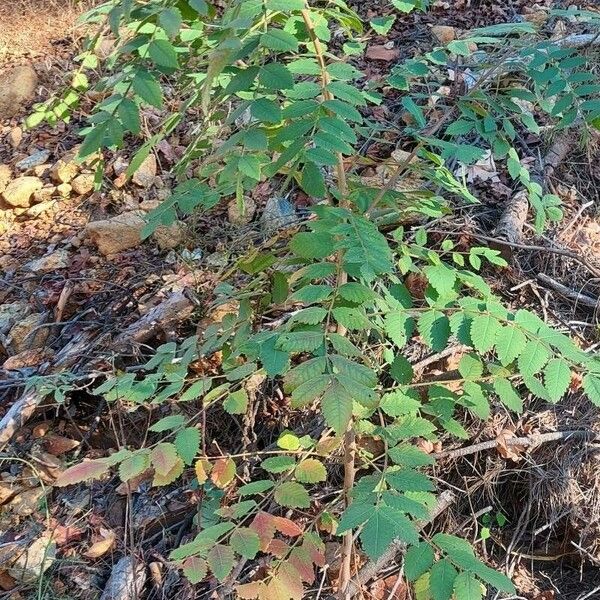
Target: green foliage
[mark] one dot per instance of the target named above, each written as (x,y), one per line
(293,123)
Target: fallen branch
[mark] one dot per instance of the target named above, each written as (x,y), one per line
(126,580)
(511,223)
(162,317)
(169,312)
(532,440)
(373,568)
(24,407)
(509,230)
(563,290)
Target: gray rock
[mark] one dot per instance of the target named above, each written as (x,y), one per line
(17,88)
(278,213)
(33,160)
(59,259)
(10,313)
(19,192)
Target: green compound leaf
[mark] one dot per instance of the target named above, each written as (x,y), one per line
(418,560)
(484,332)
(533,358)
(245,542)
(441,580)
(511,341)
(292,495)
(557,377)
(187,442)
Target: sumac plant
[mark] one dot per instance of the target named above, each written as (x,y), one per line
(270,91)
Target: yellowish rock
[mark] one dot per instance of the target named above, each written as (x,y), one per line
(444,33)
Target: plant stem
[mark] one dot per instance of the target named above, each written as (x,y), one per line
(342,278)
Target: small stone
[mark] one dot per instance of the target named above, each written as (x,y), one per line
(119,233)
(382,53)
(15,137)
(245,215)
(33,160)
(5,177)
(8,490)
(120,166)
(46,193)
(64,189)
(83,184)
(169,236)
(19,192)
(28,359)
(17,88)
(148,205)
(144,176)
(65,169)
(278,212)
(28,333)
(444,33)
(35,560)
(6,220)
(163,193)
(39,209)
(42,170)
(59,259)
(10,314)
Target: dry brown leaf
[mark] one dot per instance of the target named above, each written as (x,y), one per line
(102,546)
(399,588)
(506,451)
(7,583)
(65,534)
(58,445)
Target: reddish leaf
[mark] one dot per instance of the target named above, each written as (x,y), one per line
(249,591)
(88,469)
(278,548)
(164,458)
(264,526)
(287,526)
(195,569)
(170,476)
(315,549)
(223,472)
(290,577)
(300,560)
